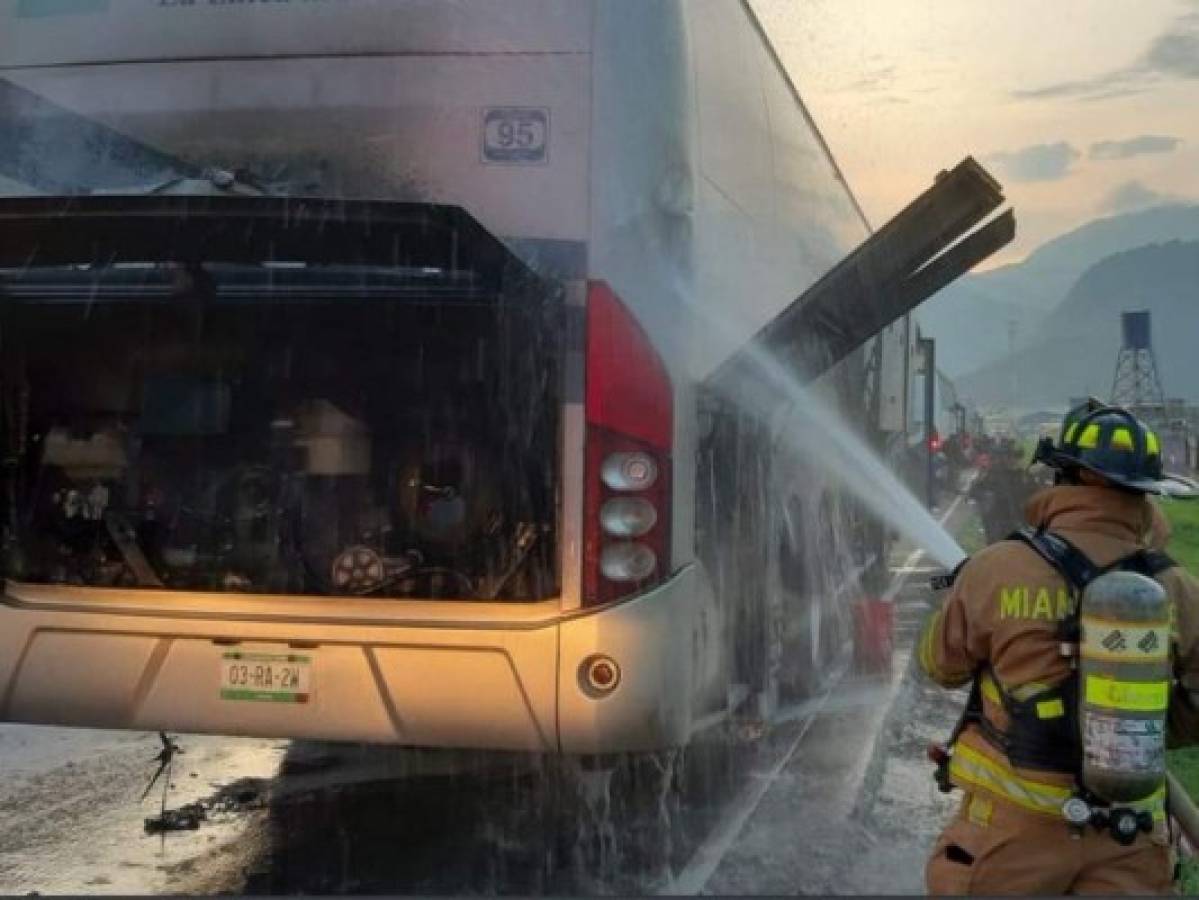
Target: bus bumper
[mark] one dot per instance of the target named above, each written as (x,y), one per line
(505,685)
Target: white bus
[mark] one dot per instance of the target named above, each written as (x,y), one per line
(359,368)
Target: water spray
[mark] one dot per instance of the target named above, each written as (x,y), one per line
(827,442)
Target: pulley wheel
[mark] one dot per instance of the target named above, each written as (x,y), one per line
(357,570)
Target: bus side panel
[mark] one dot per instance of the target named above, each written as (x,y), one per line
(714,205)
(772,215)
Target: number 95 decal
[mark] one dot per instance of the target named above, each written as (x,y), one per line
(516,135)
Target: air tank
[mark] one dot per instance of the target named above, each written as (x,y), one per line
(1124,683)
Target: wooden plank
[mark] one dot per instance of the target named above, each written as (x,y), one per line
(957,201)
(958,260)
(892,272)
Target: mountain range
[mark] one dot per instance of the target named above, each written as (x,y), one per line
(1047,329)
(971,317)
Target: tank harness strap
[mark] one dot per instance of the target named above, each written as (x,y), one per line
(1150,563)
(1070,562)
(973,713)
(1078,570)
(1076,567)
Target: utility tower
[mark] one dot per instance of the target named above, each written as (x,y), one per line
(1137,384)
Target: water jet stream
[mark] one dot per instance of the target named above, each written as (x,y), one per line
(824,439)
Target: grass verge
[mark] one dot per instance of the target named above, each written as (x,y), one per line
(1183,517)
(1185,766)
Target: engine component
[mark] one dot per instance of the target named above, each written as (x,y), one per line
(362,570)
(184,406)
(442,510)
(448,497)
(358,570)
(525,538)
(124,536)
(99,457)
(336,443)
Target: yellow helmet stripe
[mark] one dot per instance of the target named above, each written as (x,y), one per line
(1090,436)
(1122,438)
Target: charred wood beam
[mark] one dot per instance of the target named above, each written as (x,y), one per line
(905,262)
(959,259)
(839,330)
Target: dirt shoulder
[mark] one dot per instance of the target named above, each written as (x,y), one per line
(73,818)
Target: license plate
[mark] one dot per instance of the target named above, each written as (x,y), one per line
(266,677)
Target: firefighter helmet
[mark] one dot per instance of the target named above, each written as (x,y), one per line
(1111,442)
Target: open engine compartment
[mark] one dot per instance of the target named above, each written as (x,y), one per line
(280,428)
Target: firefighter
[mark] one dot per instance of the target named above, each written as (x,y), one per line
(1027,823)
(1000,493)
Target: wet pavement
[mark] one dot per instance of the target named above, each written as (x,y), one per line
(837,799)
(72,818)
(854,810)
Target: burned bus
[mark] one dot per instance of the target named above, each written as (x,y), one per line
(368,370)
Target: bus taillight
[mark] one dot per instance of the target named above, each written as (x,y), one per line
(630,433)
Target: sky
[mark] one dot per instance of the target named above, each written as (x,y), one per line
(1081,108)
